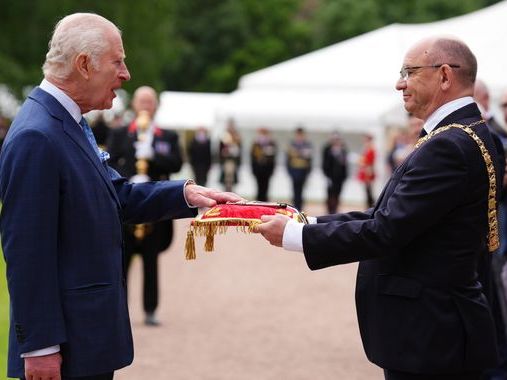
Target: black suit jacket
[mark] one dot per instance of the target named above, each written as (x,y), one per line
(420,306)
(167,159)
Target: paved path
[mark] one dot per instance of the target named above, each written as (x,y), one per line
(247,311)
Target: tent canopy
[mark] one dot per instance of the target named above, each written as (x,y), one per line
(352,82)
(188,110)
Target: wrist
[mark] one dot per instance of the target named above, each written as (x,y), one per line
(188,182)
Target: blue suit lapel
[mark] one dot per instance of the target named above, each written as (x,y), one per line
(73,130)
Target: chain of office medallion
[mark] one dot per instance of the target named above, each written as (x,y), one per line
(493,239)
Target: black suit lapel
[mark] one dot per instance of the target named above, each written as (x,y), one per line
(466,114)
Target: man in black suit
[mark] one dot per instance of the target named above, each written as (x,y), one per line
(199,154)
(421,310)
(144,152)
(335,168)
(262,158)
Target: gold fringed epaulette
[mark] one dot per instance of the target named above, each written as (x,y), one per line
(244,216)
(493,239)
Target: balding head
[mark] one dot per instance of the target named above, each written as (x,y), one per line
(74,34)
(436,71)
(453,51)
(145,99)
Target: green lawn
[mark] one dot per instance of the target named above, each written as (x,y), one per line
(4,318)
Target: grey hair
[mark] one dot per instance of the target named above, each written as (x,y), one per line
(454,51)
(75,34)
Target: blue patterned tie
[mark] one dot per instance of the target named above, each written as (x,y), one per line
(103,156)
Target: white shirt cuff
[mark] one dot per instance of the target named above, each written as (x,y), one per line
(42,352)
(188,182)
(292,239)
(293,236)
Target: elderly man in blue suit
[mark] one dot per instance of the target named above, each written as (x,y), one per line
(63,208)
(421,308)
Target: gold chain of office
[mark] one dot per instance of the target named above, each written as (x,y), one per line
(493,239)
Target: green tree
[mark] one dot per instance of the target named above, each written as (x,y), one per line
(26,27)
(205,45)
(216,41)
(337,20)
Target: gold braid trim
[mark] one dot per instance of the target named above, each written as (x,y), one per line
(493,240)
(210,227)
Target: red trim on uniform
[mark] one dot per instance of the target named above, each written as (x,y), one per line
(133,129)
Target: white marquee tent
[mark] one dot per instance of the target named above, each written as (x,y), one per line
(348,86)
(188,110)
(351,84)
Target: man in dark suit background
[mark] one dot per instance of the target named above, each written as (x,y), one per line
(142,148)
(199,155)
(422,313)
(299,164)
(335,168)
(62,211)
(262,158)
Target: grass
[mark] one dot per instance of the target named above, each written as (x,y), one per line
(4,318)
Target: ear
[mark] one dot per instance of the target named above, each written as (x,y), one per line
(83,65)
(446,77)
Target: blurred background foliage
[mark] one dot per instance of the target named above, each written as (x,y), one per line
(206,45)
(200,45)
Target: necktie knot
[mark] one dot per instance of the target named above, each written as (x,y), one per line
(103,156)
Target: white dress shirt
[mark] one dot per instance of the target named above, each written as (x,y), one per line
(64,99)
(293,232)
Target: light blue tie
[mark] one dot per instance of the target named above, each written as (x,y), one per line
(103,156)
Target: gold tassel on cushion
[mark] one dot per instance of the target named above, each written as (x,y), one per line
(209,245)
(190,246)
(245,217)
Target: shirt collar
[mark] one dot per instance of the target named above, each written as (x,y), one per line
(64,99)
(445,110)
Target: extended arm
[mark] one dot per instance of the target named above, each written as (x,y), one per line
(433,183)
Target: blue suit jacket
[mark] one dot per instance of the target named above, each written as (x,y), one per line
(420,306)
(62,240)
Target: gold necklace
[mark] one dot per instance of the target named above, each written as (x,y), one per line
(493,239)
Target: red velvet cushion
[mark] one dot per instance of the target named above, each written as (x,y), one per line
(244,216)
(239,214)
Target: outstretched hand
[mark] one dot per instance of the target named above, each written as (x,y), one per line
(272,228)
(200,196)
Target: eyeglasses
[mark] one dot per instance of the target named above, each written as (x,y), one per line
(405,72)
